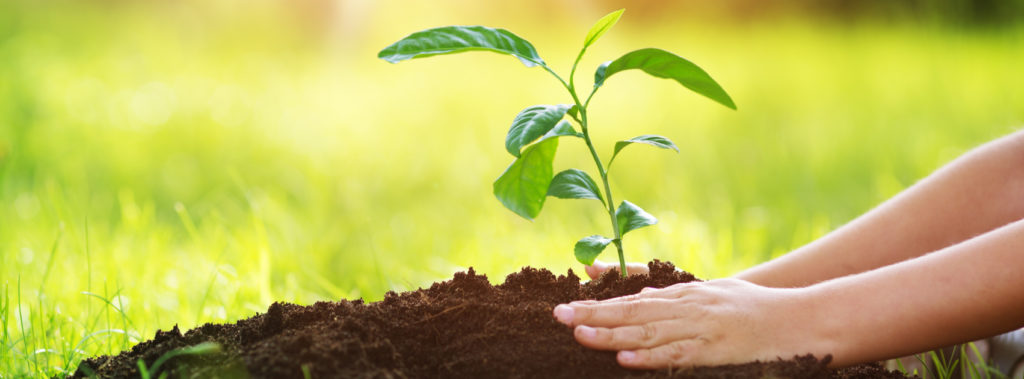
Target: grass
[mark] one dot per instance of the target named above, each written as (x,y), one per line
(188,162)
(964,361)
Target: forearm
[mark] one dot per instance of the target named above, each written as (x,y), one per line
(960,293)
(975,193)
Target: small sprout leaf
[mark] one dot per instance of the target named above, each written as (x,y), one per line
(602,26)
(457,39)
(663,64)
(647,139)
(574,111)
(588,248)
(574,184)
(630,216)
(523,186)
(531,124)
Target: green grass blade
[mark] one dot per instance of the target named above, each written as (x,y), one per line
(50,259)
(200,349)
(143,372)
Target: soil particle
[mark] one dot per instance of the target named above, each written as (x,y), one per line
(460,328)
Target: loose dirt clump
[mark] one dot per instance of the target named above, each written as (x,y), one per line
(460,328)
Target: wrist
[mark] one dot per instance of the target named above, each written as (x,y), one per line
(821,322)
(839,326)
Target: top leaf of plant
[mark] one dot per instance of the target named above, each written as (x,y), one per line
(457,39)
(602,26)
(663,64)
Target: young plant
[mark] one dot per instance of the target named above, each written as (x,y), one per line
(533,137)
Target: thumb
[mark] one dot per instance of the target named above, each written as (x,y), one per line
(595,270)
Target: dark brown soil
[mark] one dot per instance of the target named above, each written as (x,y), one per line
(460,328)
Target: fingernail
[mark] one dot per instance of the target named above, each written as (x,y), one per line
(627,356)
(564,313)
(586,331)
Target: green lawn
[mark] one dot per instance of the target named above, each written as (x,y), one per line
(184,163)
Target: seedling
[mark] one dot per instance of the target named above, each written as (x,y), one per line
(533,137)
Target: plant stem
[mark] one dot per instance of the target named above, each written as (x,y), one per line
(607,188)
(571,87)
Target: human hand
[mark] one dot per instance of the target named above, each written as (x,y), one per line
(595,270)
(695,324)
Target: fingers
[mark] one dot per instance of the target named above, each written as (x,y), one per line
(649,304)
(630,337)
(680,290)
(674,354)
(675,291)
(618,313)
(681,325)
(595,270)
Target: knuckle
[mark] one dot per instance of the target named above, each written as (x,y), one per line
(582,313)
(683,289)
(689,311)
(677,352)
(678,286)
(630,309)
(617,337)
(701,312)
(648,333)
(702,298)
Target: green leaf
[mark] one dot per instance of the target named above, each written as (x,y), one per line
(663,64)
(563,129)
(574,111)
(532,123)
(629,216)
(457,39)
(523,186)
(588,248)
(574,184)
(599,75)
(602,26)
(647,139)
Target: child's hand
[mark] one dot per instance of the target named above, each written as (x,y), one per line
(694,324)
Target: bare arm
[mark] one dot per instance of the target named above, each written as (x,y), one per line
(978,192)
(960,293)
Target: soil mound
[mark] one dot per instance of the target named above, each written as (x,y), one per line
(460,328)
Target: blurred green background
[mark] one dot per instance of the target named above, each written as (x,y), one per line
(192,161)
